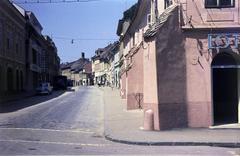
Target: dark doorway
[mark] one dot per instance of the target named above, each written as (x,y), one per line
(225,88)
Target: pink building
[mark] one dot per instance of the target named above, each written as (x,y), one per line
(190,62)
(131,38)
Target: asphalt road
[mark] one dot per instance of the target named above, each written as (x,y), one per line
(71,122)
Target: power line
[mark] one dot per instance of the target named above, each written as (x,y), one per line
(52,1)
(84,39)
(73,40)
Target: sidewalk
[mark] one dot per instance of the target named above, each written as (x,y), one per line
(125,127)
(15,97)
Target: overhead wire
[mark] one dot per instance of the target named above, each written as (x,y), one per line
(52,1)
(83,39)
(74,40)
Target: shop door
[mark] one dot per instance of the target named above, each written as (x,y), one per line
(225,92)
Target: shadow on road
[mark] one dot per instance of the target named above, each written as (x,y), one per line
(27,102)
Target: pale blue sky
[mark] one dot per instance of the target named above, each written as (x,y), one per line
(80,20)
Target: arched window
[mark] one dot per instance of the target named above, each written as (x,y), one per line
(21,80)
(17,80)
(1,74)
(9,79)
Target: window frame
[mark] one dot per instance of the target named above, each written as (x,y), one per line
(219,5)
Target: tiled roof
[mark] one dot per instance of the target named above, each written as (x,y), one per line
(106,53)
(160,21)
(79,64)
(66,65)
(75,66)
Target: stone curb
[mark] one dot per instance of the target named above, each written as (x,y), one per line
(213,144)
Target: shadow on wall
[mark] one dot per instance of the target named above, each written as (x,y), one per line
(27,102)
(171,73)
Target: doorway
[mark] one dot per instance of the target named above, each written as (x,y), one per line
(225,69)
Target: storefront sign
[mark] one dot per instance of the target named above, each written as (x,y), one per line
(220,41)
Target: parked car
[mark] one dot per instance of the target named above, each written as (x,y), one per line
(44,88)
(60,83)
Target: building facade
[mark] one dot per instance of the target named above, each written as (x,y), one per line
(116,69)
(12,50)
(22,46)
(78,72)
(132,56)
(34,50)
(49,61)
(101,64)
(191,63)
(42,60)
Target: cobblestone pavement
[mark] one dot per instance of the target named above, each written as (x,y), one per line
(71,122)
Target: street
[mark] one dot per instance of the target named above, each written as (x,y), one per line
(72,122)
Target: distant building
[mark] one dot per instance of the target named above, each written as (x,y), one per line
(49,61)
(43,62)
(79,72)
(12,50)
(115,68)
(101,64)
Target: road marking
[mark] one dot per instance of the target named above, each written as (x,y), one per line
(51,130)
(58,143)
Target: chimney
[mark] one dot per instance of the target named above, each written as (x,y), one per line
(83,55)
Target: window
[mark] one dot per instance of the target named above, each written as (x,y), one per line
(133,40)
(149,20)
(21,80)
(34,56)
(1,74)
(219,3)
(8,43)
(167,3)
(17,48)
(1,33)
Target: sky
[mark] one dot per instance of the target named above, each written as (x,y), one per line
(81,22)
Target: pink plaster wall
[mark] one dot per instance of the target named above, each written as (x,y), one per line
(171,75)
(211,17)
(135,80)
(150,81)
(183,77)
(198,79)
(123,86)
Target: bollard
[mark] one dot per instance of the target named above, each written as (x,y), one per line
(148,120)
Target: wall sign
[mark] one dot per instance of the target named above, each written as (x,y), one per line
(220,41)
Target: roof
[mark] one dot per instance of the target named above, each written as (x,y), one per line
(79,64)
(127,15)
(66,65)
(105,54)
(160,22)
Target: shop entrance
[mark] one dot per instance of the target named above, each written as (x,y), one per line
(225,71)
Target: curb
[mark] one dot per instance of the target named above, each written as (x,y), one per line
(212,144)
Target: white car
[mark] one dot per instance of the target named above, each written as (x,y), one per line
(44,88)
